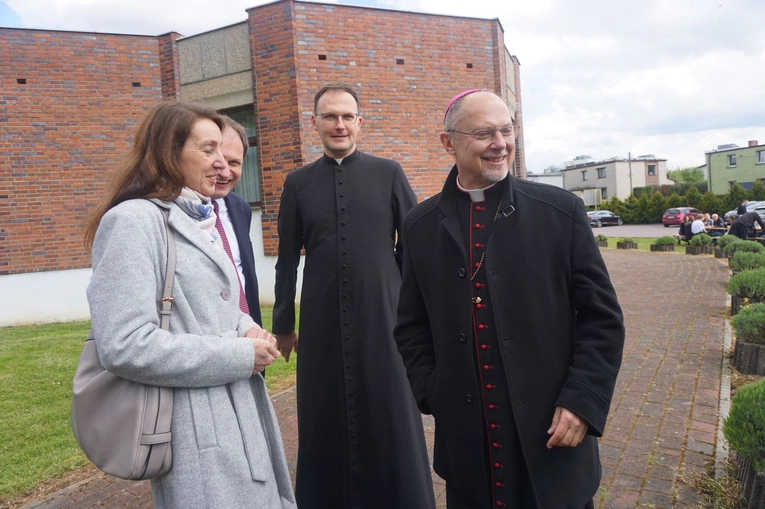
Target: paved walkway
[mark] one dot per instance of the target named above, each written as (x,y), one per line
(663,425)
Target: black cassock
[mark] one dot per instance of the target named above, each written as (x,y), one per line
(361,442)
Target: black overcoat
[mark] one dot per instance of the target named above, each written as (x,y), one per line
(361,442)
(557,319)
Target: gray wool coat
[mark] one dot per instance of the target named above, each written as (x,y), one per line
(227,448)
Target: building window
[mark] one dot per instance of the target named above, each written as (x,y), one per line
(652,169)
(761,157)
(584,174)
(601,173)
(604,193)
(731,160)
(249,185)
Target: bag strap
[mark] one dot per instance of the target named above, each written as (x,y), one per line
(166,304)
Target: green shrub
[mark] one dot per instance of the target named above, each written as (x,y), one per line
(750,246)
(600,237)
(665,241)
(629,239)
(744,427)
(725,240)
(743,260)
(749,324)
(701,239)
(748,283)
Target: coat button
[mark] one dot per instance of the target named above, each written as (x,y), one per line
(469,398)
(462,272)
(226,294)
(463,337)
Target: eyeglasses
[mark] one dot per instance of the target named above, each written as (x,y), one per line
(507,133)
(331,118)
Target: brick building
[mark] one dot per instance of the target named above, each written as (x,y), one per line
(70,101)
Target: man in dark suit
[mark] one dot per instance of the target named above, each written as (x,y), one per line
(511,340)
(235,215)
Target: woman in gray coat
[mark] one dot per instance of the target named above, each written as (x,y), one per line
(227,448)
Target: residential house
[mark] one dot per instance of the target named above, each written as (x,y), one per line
(598,181)
(731,163)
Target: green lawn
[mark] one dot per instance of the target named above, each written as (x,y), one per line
(37,364)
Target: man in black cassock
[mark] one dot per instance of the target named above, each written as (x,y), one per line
(361,442)
(508,325)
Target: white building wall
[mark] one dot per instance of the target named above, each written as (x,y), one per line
(59,296)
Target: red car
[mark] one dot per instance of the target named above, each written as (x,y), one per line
(675,216)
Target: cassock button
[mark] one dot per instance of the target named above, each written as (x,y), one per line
(482,327)
(342,195)
(495,426)
(484,347)
(486,367)
(469,398)
(343,223)
(345,253)
(478,285)
(342,209)
(345,266)
(496,445)
(489,386)
(492,407)
(462,272)
(463,337)
(497,465)
(342,238)
(478,264)
(340,183)
(478,207)
(478,226)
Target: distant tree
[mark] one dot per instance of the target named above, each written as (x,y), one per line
(757,192)
(692,197)
(674,200)
(687,175)
(711,204)
(736,194)
(656,208)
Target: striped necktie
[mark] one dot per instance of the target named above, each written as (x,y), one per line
(227,248)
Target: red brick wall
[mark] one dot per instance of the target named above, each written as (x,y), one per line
(402,104)
(520,148)
(61,133)
(168,65)
(272,49)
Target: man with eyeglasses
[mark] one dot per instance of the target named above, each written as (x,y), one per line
(361,441)
(508,324)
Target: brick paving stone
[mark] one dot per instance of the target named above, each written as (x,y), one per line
(663,420)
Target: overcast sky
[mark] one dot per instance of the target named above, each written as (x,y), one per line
(673,78)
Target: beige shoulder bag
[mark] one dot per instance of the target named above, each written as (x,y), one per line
(122,426)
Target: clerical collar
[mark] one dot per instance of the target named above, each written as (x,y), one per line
(339,161)
(476,195)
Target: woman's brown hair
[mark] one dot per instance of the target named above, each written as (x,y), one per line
(150,170)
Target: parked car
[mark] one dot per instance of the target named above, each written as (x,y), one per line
(749,207)
(602,217)
(675,216)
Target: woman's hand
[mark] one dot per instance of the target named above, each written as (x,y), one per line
(265,348)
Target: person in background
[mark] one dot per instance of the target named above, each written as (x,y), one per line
(698,226)
(745,222)
(717,221)
(235,216)
(685,229)
(361,441)
(741,209)
(707,220)
(512,345)
(226,444)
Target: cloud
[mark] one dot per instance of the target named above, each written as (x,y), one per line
(598,77)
